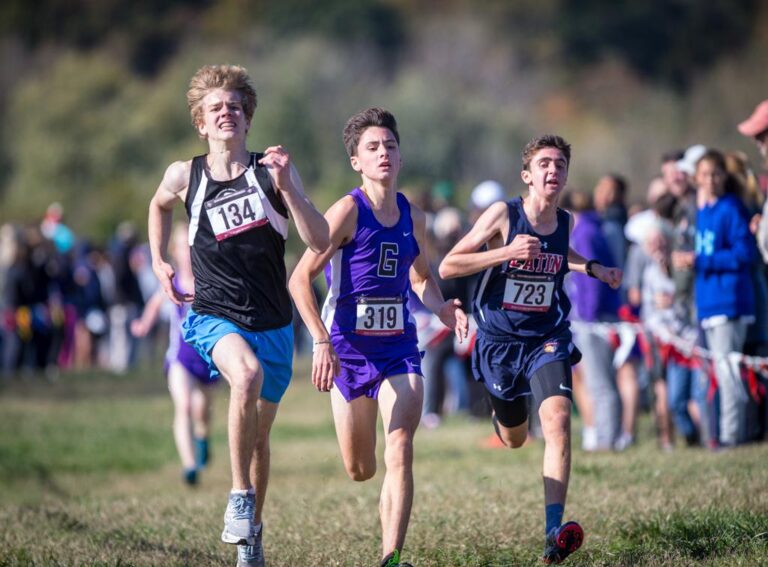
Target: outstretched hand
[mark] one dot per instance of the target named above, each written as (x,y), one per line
(165,273)
(454,318)
(683,260)
(139,329)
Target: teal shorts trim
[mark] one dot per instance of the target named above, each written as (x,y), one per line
(273,348)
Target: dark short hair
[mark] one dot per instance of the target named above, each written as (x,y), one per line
(716,157)
(545,141)
(620,182)
(672,155)
(363,120)
(665,206)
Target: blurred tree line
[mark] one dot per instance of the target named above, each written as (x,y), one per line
(92,93)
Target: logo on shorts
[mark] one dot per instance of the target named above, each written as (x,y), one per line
(497,387)
(565,388)
(550,347)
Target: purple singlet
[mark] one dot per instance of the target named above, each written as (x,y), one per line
(367,312)
(181,352)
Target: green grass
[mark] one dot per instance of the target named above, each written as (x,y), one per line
(89,476)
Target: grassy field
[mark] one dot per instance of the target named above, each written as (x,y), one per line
(89,476)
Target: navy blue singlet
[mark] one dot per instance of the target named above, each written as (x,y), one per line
(525,299)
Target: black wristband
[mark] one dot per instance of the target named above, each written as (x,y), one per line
(588,268)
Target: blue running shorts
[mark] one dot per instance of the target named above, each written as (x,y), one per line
(273,348)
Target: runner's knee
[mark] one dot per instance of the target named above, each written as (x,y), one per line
(246,379)
(510,419)
(513,438)
(183,407)
(360,470)
(262,444)
(398,453)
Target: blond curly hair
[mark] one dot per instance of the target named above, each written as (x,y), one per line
(228,77)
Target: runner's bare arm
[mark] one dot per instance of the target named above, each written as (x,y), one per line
(310,224)
(606,274)
(143,324)
(172,188)
(342,221)
(425,286)
(491,229)
(576,262)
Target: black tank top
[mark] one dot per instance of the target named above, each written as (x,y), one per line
(237,232)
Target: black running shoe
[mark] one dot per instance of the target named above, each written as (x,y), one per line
(561,542)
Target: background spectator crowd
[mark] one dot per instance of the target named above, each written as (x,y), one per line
(66,303)
(686,338)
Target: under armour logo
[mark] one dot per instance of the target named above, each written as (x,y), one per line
(497,387)
(544,245)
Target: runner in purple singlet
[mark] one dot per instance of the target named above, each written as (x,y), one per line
(365,340)
(189,377)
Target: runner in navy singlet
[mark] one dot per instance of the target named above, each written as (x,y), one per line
(238,205)
(524,348)
(365,341)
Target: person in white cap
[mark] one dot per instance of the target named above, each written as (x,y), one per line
(690,158)
(684,220)
(483,196)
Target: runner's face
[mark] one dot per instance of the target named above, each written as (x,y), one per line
(223,116)
(378,155)
(548,173)
(675,178)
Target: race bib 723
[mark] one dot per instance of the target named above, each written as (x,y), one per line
(528,295)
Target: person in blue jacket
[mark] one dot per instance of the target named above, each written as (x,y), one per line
(722,261)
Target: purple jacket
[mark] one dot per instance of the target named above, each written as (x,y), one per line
(592,299)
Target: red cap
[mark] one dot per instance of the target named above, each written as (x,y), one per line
(756,123)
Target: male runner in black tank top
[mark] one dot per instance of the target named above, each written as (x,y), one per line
(240,322)
(524,346)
